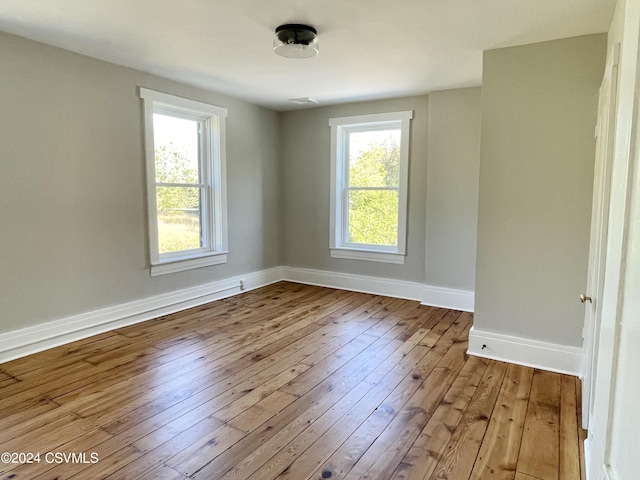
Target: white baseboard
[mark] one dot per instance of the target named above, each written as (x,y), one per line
(448,298)
(355,283)
(19,343)
(426,294)
(525,351)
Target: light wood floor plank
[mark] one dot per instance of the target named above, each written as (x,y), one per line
(540,449)
(277,367)
(425,453)
(293,382)
(460,455)
(345,387)
(498,455)
(386,452)
(522,476)
(413,374)
(569,448)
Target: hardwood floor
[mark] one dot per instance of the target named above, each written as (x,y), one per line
(289,382)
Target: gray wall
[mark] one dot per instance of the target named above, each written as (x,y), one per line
(443,190)
(72,191)
(452,188)
(306,189)
(539,105)
(73,222)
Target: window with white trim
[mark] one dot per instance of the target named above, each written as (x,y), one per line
(369,182)
(186,187)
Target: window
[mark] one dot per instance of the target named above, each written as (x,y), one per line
(369,181)
(185,154)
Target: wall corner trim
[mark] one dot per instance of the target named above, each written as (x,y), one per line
(525,351)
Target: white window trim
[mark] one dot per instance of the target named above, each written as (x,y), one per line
(214,171)
(338,247)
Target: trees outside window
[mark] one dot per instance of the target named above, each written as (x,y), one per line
(369,186)
(185,153)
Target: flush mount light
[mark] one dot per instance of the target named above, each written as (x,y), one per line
(294,40)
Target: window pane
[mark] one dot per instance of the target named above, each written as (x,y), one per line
(374,158)
(373,217)
(179,224)
(176,149)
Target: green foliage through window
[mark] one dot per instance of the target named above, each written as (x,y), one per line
(179,225)
(373,190)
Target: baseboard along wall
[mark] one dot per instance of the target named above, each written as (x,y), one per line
(26,341)
(525,351)
(426,294)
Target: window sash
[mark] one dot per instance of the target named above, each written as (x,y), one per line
(344,159)
(206,220)
(341,128)
(211,176)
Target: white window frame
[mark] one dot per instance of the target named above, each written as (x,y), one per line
(213,202)
(341,127)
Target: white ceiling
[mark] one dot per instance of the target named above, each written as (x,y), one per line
(368,48)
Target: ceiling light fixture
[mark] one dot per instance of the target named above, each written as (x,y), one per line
(294,40)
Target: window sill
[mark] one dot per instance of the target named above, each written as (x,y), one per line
(180,265)
(370,256)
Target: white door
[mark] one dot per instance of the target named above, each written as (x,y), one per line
(616,423)
(599,223)
(613,442)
